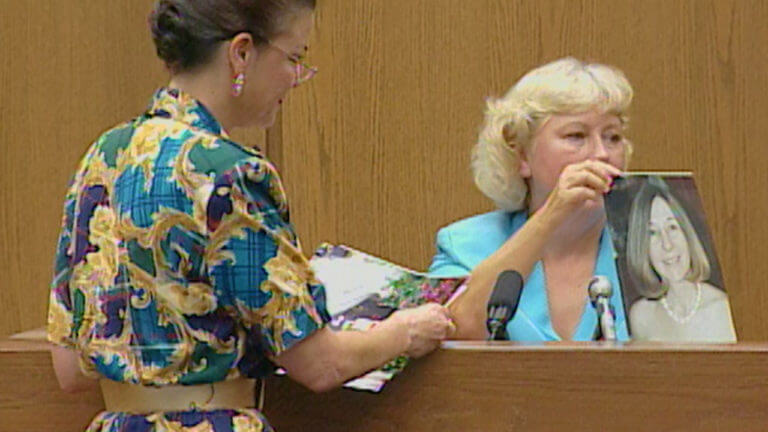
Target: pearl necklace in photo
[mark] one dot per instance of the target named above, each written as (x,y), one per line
(691,313)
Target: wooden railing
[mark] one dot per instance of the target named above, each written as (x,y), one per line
(467,386)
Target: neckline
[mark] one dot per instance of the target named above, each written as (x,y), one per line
(177,105)
(675,317)
(538,301)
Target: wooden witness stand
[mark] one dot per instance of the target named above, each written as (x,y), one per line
(472,386)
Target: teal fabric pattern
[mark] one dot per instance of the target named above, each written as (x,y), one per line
(177,264)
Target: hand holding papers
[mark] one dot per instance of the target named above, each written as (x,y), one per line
(362,289)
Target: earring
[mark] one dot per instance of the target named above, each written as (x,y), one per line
(237,84)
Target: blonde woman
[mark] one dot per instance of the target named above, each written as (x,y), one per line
(670,267)
(548,151)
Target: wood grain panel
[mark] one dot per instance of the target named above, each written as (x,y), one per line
(71,69)
(78,68)
(473,386)
(375,149)
(31,389)
(576,387)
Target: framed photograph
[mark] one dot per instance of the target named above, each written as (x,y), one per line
(670,276)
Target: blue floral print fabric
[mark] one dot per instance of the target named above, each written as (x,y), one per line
(177,264)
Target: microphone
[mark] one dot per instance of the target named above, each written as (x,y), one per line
(599,294)
(503,303)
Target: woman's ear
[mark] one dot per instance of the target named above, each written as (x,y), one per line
(514,146)
(525,169)
(241,52)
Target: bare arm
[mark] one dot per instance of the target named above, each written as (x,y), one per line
(327,359)
(520,252)
(67,368)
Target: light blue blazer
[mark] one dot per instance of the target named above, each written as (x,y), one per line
(464,244)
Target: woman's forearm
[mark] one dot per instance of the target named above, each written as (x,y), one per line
(368,350)
(329,358)
(326,359)
(519,253)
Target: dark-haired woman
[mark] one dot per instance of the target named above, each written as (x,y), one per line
(179,278)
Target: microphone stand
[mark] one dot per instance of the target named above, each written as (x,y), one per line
(600,291)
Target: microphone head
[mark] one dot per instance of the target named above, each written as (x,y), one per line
(599,286)
(506,293)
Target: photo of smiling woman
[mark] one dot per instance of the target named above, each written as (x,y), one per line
(671,272)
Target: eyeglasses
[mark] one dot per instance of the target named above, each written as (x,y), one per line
(303,71)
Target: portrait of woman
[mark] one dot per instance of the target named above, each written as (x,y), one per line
(671,272)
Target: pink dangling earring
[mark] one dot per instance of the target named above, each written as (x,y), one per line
(237,84)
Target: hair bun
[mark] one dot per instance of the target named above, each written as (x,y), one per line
(187,33)
(172,38)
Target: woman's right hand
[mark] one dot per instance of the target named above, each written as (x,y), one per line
(426,326)
(578,183)
(328,358)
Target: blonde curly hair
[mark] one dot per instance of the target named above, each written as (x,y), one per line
(565,86)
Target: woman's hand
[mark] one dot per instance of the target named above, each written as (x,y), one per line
(577,184)
(328,358)
(426,326)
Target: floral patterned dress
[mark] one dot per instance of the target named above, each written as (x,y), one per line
(177,264)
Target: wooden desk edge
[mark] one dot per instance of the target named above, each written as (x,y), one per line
(495,346)
(35,340)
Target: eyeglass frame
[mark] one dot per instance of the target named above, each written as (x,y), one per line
(299,66)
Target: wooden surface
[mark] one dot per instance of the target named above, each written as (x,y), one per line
(473,386)
(71,69)
(547,388)
(31,400)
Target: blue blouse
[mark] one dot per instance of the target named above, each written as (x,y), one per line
(462,245)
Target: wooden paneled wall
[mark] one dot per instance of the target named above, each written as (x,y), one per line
(374,151)
(70,69)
